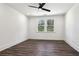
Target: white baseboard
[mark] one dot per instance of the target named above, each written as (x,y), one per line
(45,39)
(73,45)
(8,45)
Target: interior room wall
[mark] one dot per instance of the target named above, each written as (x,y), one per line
(58,33)
(13,27)
(72,27)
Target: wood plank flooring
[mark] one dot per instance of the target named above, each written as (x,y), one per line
(40,48)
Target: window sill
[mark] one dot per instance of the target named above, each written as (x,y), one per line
(46,32)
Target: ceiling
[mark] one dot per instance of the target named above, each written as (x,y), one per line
(56,8)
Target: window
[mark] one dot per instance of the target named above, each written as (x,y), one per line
(46,25)
(41,26)
(50,25)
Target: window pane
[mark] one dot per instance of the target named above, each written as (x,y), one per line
(50,28)
(40,28)
(41,22)
(50,22)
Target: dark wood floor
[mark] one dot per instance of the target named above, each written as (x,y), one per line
(40,48)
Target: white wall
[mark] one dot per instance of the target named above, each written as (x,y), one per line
(72,27)
(58,33)
(13,27)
